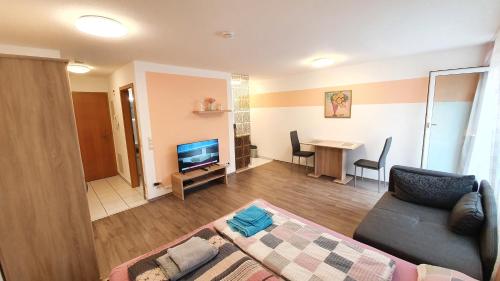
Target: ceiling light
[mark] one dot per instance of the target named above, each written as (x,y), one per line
(101,26)
(322,62)
(78,68)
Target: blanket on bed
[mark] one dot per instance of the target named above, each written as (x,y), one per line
(229,264)
(298,251)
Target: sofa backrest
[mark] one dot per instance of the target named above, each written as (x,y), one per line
(422,172)
(488,237)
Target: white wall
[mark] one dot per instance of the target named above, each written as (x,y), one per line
(383,70)
(29,51)
(121,77)
(370,123)
(88,83)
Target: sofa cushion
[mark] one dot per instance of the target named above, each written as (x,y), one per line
(434,191)
(467,216)
(419,234)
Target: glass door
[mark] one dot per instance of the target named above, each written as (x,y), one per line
(451,94)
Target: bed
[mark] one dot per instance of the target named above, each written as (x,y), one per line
(404,271)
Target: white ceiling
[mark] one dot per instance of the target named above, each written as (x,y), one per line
(273,37)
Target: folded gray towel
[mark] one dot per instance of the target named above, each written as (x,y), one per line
(192,253)
(169,267)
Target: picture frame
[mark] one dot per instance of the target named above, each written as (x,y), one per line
(338,104)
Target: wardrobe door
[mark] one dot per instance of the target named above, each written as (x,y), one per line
(45,228)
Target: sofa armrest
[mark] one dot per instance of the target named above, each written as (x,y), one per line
(488,237)
(420,171)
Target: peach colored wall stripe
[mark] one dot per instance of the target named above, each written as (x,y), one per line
(397,91)
(172,99)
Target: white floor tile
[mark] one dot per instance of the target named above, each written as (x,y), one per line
(255,162)
(112,195)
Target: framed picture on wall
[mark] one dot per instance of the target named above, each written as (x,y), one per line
(338,104)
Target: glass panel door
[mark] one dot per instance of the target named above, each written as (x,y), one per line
(451,94)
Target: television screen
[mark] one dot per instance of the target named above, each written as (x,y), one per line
(197,154)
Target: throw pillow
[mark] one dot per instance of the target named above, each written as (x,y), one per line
(433,191)
(467,216)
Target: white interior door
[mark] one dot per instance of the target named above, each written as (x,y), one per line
(450,97)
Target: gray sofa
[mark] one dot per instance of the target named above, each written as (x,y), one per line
(420,234)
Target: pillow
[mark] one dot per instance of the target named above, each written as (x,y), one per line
(467,216)
(434,191)
(428,272)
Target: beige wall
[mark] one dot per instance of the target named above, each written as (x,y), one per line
(88,83)
(172,99)
(387,92)
(121,77)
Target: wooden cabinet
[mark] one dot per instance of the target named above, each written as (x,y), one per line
(185,181)
(45,228)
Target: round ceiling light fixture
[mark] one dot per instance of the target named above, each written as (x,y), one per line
(322,62)
(78,68)
(101,26)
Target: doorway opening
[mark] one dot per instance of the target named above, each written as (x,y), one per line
(108,190)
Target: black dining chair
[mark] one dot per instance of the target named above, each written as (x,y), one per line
(294,137)
(374,165)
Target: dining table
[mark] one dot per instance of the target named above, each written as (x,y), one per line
(330,158)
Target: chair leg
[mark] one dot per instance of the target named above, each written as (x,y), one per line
(292,160)
(299,161)
(384,178)
(362,178)
(378,181)
(355,175)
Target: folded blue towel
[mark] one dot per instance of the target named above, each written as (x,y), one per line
(249,230)
(251,214)
(250,221)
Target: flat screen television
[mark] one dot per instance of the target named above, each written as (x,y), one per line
(197,155)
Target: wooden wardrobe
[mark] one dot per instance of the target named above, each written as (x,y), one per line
(45,227)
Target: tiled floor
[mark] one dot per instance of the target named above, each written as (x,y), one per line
(112,195)
(255,162)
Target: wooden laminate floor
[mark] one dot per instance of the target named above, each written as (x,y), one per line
(128,234)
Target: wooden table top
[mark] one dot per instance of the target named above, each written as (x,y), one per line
(334,144)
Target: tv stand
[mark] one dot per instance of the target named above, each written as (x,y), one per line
(185,181)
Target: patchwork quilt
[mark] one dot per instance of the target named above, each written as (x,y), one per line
(298,251)
(230,264)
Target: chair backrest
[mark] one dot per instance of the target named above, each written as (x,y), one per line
(294,137)
(385,151)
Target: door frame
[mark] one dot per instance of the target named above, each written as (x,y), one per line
(129,136)
(430,103)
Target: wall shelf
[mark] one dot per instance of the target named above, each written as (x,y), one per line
(210,111)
